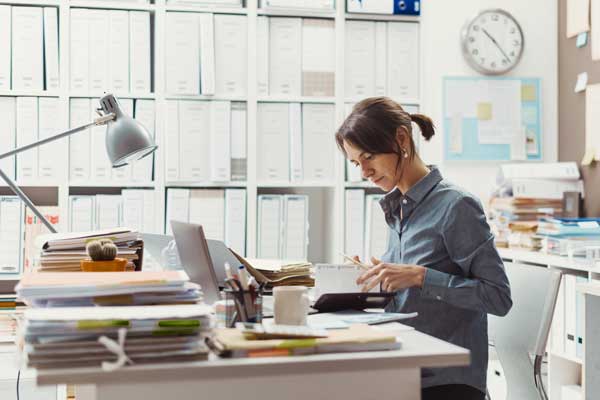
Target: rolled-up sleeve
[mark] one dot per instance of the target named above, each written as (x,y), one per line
(483,285)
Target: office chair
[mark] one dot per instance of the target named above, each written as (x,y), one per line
(534,292)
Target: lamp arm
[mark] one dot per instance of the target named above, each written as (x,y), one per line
(26,200)
(98,121)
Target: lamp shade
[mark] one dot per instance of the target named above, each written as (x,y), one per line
(126,139)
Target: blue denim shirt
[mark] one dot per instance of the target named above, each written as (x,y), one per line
(445,230)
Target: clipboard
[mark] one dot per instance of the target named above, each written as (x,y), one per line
(330,302)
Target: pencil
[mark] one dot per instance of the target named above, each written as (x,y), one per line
(353,261)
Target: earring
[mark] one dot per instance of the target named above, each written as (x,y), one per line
(404,153)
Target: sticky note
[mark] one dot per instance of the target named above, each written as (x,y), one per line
(581,39)
(582,80)
(588,157)
(484,111)
(528,93)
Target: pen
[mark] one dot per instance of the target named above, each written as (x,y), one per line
(353,261)
(243,277)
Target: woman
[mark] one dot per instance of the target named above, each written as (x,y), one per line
(441,260)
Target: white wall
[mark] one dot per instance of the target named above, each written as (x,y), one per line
(441,24)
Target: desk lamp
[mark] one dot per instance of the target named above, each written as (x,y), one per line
(126,140)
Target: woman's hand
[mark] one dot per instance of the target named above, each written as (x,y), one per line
(392,277)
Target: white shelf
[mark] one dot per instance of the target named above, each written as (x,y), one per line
(381,17)
(292,185)
(363,185)
(567,357)
(550,260)
(97,95)
(329,14)
(125,185)
(208,9)
(118,5)
(43,3)
(29,93)
(295,99)
(197,185)
(407,101)
(205,97)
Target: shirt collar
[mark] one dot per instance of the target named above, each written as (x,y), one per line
(416,193)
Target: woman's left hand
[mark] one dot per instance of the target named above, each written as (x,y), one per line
(392,277)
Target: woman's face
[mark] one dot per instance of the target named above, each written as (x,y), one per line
(381,169)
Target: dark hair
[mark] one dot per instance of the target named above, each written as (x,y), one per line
(373,123)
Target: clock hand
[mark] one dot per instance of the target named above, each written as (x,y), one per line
(496,43)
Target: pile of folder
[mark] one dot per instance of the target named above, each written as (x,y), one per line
(230,342)
(115,336)
(279,273)
(75,289)
(63,252)
(10,310)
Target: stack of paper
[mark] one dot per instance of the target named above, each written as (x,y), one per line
(89,336)
(63,252)
(69,289)
(232,343)
(280,272)
(10,310)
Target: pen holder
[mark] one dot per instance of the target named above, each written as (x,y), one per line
(248,305)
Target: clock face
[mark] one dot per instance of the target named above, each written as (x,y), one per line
(492,42)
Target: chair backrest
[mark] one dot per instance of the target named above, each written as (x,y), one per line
(523,332)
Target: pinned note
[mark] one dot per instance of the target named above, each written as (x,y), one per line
(582,39)
(528,93)
(588,157)
(484,111)
(581,84)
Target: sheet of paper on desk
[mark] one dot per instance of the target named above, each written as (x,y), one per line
(343,319)
(337,278)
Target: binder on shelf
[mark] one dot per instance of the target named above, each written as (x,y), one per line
(79,145)
(182,53)
(11,217)
(220,141)
(570,315)
(178,207)
(406,7)
(318,57)
(118,77)
(262,55)
(269,226)
(579,319)
(5,47)
(51,48)
(207,53)
(360,59)
(173,167)
(318,154)
(52,156)
(81,213)
(108,211)
(79,41)
(272,133)
(315,5)
(99,58)
(403,60)
(101,168)
(381,58)
(145,113)
(33,228)
(235,220)
(139,51)
(27,132)
(27,48)
(207,208)
(354,230)
(139,210)
(238,142)
(194,134)
(295,232)
(295,129)
(285,56)
(8,114)
(231,54)
(376,235)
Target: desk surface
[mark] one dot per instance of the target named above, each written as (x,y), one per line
(418,350)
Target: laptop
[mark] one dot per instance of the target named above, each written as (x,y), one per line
(195,258)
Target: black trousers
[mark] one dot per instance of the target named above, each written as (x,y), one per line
(452,392)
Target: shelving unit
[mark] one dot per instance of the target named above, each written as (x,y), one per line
(326,211)
(563,369)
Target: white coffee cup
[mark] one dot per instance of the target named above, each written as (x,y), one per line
(290,305)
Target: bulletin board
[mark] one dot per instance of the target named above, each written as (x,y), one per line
(492,119)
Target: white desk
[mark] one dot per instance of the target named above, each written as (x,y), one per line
(366,375)
(591,344)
